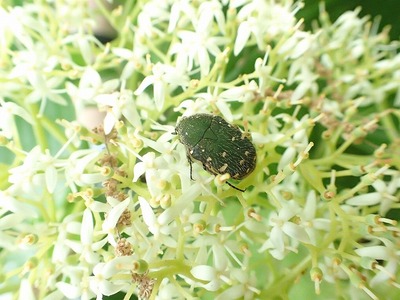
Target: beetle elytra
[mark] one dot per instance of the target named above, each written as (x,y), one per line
(220,146)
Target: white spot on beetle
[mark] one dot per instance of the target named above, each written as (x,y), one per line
(223,168)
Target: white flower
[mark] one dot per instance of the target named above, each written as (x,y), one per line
(170,290)
(70,291)
(101,282)
(164,223)
(28,61)
(208,274)
(295,144)
(243,286)
(191,107)
(69,226)
(243,93)
(37,171)
(301,72)
(164,80)
(72,16)
(297,44)
(27,289)
(149,217)
(8,224)
(261,19)
(119,104)
(80,170)
(8,112)
(151,14)
(219,102)
(88,245)
(331,270)
(45,88)
(310,221)
(195,48)
(109,225)
(210,10)
(135,58)
(90,85)
(389,253)
(75,284)
(384,196)
(181,11)
(9,202)
(157,172)
(284,234)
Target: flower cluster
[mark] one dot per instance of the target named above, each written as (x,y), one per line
(96,195)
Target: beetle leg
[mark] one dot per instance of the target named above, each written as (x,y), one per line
(190,166)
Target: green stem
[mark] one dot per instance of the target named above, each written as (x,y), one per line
(37,127)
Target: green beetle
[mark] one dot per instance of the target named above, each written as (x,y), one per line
(221,147)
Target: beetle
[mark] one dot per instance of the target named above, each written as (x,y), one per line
(220,146)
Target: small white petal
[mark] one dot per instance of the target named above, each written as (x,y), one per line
(287,157)
(51,178)
(233,93)
(300,90)
(204,61)
(107,288)
(242,37)
(204,272)
(159,94)
(376,252)
(148,214)
(234,292)
(276,238)
(149,80)
(311,206)
(220,259)
(296,232)
(225,110)
(117,264)
(26,290)
(10,221)
(365,199)
(109,122)
(113,216)
(128,70)
(87,227)
(86,50)
(69,291)
(100,244)
(92,178)
(122,52)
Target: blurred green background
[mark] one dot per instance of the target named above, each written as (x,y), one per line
(388,10)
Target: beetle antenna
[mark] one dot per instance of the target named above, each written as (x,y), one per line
(236,188)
